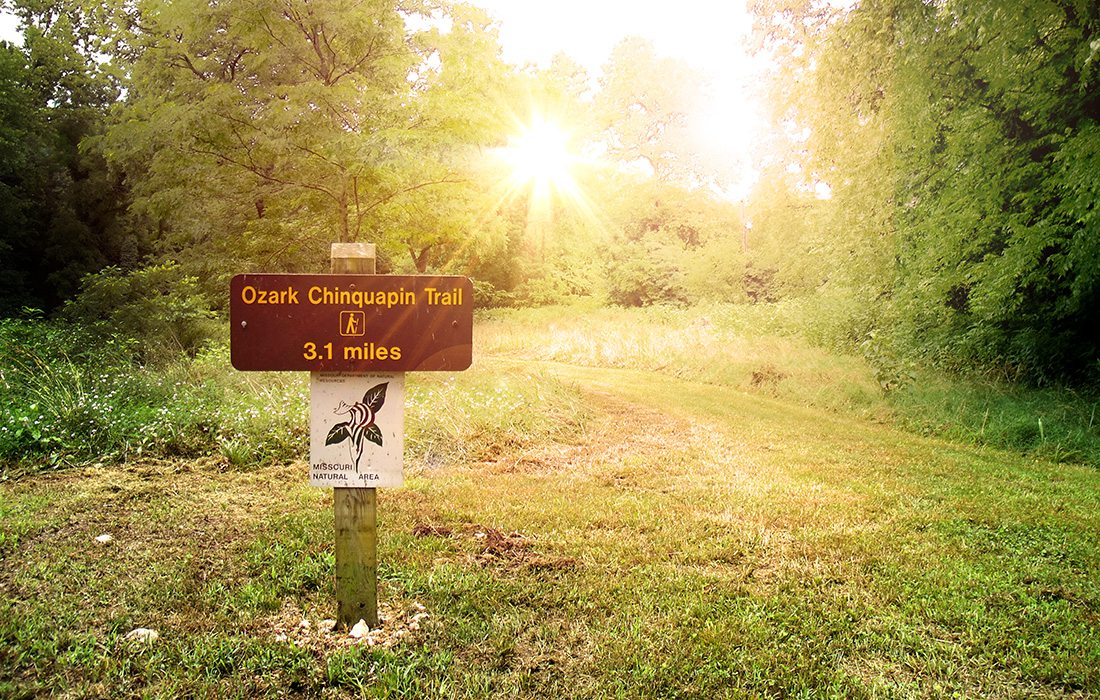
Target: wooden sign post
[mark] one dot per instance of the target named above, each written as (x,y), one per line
(345,328)
(355,510)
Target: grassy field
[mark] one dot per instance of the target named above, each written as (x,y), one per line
(581,529)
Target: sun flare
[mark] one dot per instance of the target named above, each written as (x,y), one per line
(539,154)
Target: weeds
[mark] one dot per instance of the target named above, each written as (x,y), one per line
(60,408)
(61,405)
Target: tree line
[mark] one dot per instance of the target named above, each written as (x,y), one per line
(182,142)
(961,142)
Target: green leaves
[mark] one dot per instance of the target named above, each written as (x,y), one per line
(258,132)
(960,141)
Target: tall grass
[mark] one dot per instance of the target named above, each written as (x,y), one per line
(478,414)
(61,405)
(817,353)
(742,347)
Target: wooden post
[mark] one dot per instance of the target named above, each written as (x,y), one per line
(355,510)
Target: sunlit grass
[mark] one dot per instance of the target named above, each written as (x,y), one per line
(690,541)
(609,503)
(802,353)
(714,345)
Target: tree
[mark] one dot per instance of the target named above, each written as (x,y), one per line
(957,139)
(644,103)
(257,132)
(62,212)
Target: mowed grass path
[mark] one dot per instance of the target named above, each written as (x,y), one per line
(687,541)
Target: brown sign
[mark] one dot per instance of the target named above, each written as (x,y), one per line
(351,323)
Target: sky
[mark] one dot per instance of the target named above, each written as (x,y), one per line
(711,35)
(703,32)
(9,28)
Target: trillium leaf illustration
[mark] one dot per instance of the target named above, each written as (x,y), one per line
(375,397)
(373,434)
(338,434)
(360,425)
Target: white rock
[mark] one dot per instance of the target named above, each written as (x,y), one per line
(360,630)
(327,625)
(104,539)
(142,634)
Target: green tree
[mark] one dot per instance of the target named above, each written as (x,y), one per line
(958,138)
(257,132)
(62,212)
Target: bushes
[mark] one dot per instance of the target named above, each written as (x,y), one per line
(159,309)
(644,275)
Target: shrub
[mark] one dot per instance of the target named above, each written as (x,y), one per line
(157,307)
(644,278)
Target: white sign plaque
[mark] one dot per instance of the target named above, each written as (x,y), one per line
(357,429)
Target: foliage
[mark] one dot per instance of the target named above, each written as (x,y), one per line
(256,133)
(645,105)
(60,209)
(672,246)
(157,308)
(960,141)
(644,273)
(71,394)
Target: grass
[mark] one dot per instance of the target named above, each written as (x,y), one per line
(673,539)
(788,352)
(654,504)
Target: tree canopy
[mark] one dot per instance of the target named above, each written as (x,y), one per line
(960,141)
(933,162)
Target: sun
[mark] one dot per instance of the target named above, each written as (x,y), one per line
(543,170)
(539,155)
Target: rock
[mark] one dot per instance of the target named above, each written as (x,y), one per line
(141,634)
(104,539)
(326,625)
(360,630)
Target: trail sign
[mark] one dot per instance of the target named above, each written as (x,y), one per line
(355,334)
(351,323)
